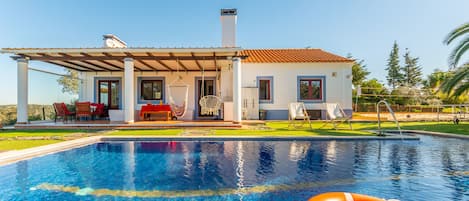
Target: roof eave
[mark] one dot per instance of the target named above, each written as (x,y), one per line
(117,50)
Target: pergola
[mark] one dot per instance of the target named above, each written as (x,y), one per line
(145,59)
(128,60)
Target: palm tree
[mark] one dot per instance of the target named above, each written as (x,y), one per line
(462,47)
(459,83)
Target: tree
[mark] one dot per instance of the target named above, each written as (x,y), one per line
(69,82)
(435,82)
(412,72)
(459,83)
(372,91)
(462,47)
(394,76)
(359,71)
(373,87)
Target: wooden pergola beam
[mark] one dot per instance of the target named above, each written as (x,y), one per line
(178,61)
(196,61)
(67,66)
(71,63)
(132,56)
(160,62)
(215,60)
(147,65)
(87,62)
(121,58)
(103,61)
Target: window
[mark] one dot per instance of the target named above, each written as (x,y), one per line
(265,89)
(152,89)
(310,89)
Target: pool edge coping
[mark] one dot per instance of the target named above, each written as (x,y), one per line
(438,134)
(253,138)
(13,156)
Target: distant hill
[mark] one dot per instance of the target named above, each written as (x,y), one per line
(8,113)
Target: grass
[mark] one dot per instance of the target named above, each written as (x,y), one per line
(277,129)
(8,142)
(6,145)
(281,129)
(443,127)
(35,133)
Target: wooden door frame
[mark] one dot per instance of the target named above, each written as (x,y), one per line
(97,80)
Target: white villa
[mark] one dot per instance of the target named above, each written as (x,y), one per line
(246,80)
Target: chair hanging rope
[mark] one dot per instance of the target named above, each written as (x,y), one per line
(209,104)
(178,92)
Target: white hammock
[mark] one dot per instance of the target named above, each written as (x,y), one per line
(178,96)
(209,105)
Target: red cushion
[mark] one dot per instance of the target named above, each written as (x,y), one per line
(154,108)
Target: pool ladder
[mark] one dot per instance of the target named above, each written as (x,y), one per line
(380,132)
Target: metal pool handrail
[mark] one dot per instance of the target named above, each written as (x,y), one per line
(392,114)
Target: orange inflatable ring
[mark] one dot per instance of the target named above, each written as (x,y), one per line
(343,196)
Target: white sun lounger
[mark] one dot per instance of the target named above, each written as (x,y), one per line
(336,115)
(297,115)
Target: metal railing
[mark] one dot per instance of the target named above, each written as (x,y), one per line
(380,132)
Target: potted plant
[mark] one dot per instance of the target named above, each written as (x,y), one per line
(262,114)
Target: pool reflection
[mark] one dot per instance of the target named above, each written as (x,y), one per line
(401,168)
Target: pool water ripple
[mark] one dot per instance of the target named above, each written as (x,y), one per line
(433,167)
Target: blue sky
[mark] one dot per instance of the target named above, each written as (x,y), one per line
(364,28)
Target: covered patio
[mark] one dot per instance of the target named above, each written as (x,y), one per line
(106,124)
(127,67)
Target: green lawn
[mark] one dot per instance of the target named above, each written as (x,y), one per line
(277,129)
(281,129)
(444,127)
(8,138)
(35,133)
(6,145)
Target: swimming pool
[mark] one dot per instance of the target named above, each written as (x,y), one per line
(430,169)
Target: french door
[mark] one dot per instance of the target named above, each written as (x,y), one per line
(108,93)
(208,89)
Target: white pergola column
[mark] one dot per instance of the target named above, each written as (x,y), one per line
(237,90)
(129,98)
(81,86)
(22,101)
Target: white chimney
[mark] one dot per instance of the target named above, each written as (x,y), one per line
(112,41)
(228,27)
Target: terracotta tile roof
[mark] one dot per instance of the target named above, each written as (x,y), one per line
(290,56)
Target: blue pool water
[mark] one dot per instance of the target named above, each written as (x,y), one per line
(430,169)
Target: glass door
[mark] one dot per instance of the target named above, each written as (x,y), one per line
(108,93)
(209,89)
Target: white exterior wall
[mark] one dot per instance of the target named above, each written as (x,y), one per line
(90,93)
(337,89)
